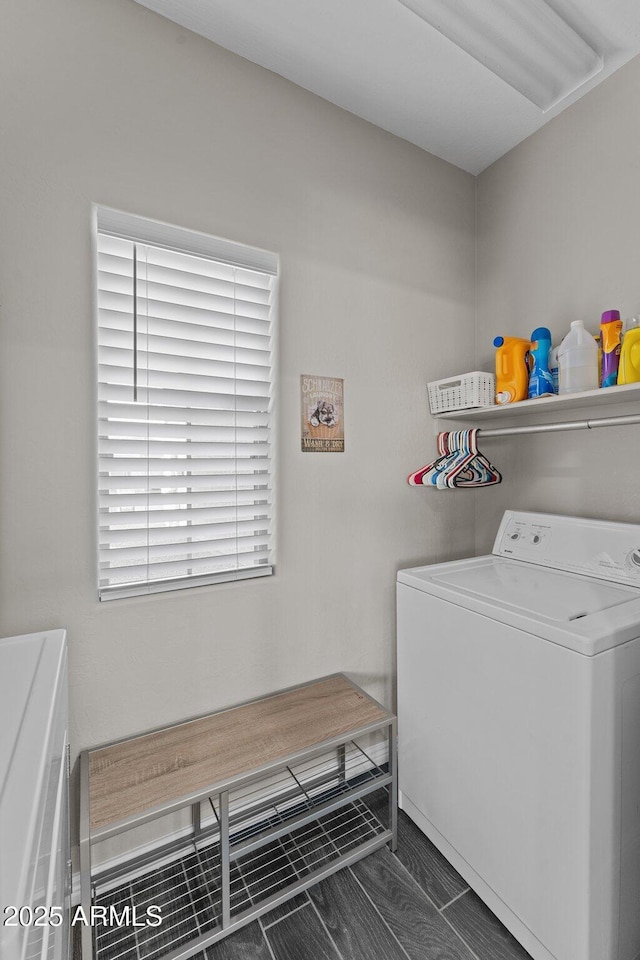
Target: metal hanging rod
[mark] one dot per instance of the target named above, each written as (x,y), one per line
(559,427)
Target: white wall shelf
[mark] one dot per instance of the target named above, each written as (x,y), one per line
(626,400)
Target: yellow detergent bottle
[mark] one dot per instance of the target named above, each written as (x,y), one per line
(512,372)
(629,368)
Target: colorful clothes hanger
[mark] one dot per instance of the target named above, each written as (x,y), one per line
(460,464)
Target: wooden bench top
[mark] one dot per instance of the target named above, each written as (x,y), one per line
(145,772)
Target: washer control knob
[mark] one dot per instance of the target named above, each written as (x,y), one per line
(634,558)
(514,536)
(536,538)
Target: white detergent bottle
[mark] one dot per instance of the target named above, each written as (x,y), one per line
(578,361)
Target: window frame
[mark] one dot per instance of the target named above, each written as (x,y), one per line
(156,233)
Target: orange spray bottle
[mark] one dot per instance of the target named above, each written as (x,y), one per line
(512,371)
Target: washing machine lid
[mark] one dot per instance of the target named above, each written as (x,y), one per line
(534,590)
(581,613)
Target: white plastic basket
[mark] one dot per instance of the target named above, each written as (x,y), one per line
(465,392)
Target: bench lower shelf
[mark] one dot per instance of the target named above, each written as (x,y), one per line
(187,889)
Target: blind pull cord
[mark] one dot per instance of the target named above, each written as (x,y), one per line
(135,323)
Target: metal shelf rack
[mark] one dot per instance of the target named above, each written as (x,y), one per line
(288,779)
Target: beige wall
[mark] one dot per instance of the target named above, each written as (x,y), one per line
(106,102)
(559,240)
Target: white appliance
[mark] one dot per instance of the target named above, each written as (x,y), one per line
(34,832)
(519,728)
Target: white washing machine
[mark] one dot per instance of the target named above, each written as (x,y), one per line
(519,728)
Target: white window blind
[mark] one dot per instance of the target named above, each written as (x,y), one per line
(184,407)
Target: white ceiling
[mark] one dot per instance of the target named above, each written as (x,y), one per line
(380,61)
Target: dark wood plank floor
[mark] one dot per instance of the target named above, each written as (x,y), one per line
(411,905)
(407,906)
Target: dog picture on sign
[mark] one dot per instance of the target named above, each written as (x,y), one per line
(322,414)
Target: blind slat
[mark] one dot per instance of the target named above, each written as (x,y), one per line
(198,533)
(215,279)
(196,383)
(191,399)
(198,310)
(122,487)
(120,555)
(176,500)
(156,448)
(197,514)
(162,414)
(178,466)
(187,337)
(156,430)
(175,361)
(117,313)
(180,567)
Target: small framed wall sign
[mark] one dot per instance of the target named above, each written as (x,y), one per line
(322,405)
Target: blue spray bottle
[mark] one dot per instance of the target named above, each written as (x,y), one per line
(540,379)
